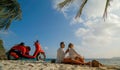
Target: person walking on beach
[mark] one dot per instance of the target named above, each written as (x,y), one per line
(61,53)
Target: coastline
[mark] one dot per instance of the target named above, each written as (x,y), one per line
(41,65)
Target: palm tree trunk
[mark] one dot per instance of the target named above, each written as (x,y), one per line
(2,51)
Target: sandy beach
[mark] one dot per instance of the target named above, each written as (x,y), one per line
(40,65)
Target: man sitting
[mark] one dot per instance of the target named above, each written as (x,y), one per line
(61,53)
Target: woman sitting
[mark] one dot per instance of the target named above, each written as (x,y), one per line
(73,57)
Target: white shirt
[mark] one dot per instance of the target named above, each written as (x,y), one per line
(72,53)
(60,55)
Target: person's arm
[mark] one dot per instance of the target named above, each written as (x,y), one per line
(28,56)
(58,56)
(27,53)
(67,51)
(24,54)
(77,53)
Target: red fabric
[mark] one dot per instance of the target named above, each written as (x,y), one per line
(23,50)
(14,55)
(27,51)
(38,49)
(20,48)
(38,46)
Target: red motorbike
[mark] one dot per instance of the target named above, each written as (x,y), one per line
(39,53)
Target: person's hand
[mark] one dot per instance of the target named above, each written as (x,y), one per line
(67,51)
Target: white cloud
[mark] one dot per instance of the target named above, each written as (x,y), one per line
(98,38)
(81,32)
(76,21)
(5,33)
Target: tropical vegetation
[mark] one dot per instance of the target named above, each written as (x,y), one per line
(83,3)
(9,11)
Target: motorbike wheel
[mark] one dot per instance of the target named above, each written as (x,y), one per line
(40,56)
(10,57)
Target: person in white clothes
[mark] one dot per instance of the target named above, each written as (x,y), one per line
(61,53)
(73,56)
(76,58)
(72,53)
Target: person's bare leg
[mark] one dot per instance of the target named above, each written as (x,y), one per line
(81,60)
(88,63)
(77,62)
(66,60)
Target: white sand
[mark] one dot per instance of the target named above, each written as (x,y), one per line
(38,65)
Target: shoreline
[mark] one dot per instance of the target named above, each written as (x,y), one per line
(41,65)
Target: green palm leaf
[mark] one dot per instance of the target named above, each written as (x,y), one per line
(64,3)
(9,11)
(81,8)
(67,2)
(106,7)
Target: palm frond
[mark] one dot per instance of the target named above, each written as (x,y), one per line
(106,7)
(8,24)
(9,11)
(64,3)
(81,8)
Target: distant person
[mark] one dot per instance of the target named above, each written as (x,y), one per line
(61,53)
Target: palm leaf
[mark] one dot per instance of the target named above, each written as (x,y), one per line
(106,7)
(81,8)
(9,11)
(8,24)
(64,3)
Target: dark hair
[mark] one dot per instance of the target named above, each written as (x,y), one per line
(22,44)
(28,47)
(37,41)
(61,43)
(70,44)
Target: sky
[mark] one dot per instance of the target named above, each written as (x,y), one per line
(91,35)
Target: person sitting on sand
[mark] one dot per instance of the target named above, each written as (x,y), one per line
(61,53)
(21,50)
(73,57)
(76,58)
